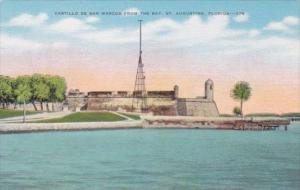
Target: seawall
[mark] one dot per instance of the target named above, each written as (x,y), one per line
(233,123)
(182,122)
(40,127)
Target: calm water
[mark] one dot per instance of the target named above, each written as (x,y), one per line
(151,159)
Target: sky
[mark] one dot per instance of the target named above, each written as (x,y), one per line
(226,41)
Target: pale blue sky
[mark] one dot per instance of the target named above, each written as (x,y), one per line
(261,12)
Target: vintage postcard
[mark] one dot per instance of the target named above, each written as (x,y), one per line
(141,94)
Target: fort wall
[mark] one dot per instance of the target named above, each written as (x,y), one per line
(158,102)
(197,107)
(155,104)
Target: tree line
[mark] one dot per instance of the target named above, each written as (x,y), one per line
(32,89)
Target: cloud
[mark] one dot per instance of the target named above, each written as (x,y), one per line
(18,44)
(241,18)
(210,35)
(9,42)
(271,45)
(132,11)
(278,26)
(28,20)
(71,25)
(59,45)
(283,25)
(194,30)
(254,33)
(92,19)
(111,36)
(291,21)
(165,30)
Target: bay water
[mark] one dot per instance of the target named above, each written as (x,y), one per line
(151,159)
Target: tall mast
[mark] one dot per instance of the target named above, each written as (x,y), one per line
(139,101)
(140,37)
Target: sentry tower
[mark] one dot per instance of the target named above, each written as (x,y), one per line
(139,101)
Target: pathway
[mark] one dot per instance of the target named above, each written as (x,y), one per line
(124,116)
(35,117)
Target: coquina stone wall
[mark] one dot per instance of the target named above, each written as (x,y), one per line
(164,106)
(197,107)
(76,103)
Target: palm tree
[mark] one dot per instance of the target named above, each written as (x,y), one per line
(241,92)
(237,111)
(23,95)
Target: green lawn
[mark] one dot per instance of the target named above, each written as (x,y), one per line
(85,117)
(4,113)
(262,115)
(132,116)
(227,115)
(296,114)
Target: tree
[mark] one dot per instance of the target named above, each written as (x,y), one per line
(237,111)
(24,80)
(23,95)
(42,93)
(57,87)
(241,92)
(6,90)
(43,88)
(35,80)
(40,89)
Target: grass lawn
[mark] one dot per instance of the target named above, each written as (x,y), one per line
(296,114)
(85,117)
(4,113)
(262,115)
(132,116)
(227,115)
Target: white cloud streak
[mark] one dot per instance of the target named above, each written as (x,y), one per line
(28,20)
(283,25)
(92,19)
(291,21)
(17,44)
(70,25)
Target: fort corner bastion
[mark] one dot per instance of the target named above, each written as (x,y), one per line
(165,102)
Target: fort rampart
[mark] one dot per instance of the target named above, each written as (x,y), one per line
(159,102)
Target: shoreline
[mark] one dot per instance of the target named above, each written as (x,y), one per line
(41,127)
(154,122)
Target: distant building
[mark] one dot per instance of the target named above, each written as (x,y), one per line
(164,102)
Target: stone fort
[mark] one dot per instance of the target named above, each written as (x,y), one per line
(164,102)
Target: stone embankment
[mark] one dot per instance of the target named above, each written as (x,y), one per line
(155,122)
(257,123)
(40,127)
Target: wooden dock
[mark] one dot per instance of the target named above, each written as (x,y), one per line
(248,124)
